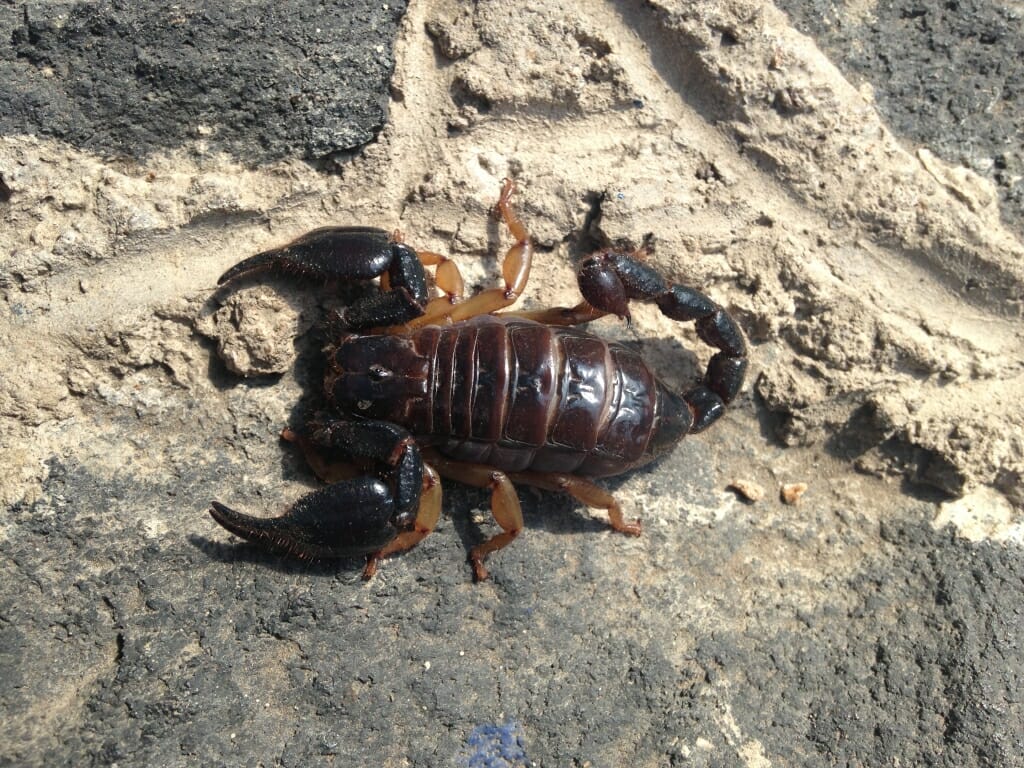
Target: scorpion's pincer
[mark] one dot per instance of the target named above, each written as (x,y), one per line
(346,519)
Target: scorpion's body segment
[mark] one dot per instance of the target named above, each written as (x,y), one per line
(421,387)
(513,394)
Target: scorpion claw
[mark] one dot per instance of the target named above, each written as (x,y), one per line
(258,263)
(346,519)
(354,253)
(347,254)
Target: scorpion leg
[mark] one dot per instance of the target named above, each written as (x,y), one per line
(328,469)
(447,278)
(515,269)
(425,522)
(608,280)
(504,505)
(581,313)
(583,491)
(360,516)
(351,253)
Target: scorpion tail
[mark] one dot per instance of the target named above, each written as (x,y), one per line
(346,519)
(609,279)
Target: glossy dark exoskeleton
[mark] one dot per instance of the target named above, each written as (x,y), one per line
(419,388)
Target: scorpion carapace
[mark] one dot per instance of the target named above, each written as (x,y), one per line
(420,388)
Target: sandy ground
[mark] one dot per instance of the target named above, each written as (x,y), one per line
(878,285)
(880,290)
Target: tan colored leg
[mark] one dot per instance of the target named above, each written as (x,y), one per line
(328,471)
(582,490)
(446,277)
(581,313)
(504,505)
(515,269)
(426,520)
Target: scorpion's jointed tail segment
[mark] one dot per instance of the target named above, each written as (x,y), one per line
(492,399)
(608,280)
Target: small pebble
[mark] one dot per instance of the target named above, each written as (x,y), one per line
(748,489)
(791,492)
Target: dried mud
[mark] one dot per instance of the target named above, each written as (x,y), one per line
(881,292)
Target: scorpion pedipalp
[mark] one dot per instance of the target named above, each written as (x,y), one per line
(345,254)
(352,517)
(345,519)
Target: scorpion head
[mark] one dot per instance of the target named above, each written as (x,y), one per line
(379,377)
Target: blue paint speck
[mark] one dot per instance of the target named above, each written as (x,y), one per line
(495,746)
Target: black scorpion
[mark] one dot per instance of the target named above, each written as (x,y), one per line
(419,388)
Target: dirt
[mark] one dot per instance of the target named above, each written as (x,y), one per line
(878,286)
(944,76)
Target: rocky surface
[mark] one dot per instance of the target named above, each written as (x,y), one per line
(876,621)
(132,79)
(946,76)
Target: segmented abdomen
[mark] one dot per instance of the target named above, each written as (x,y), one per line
(518,395)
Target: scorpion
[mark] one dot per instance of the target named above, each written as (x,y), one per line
(420,387)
